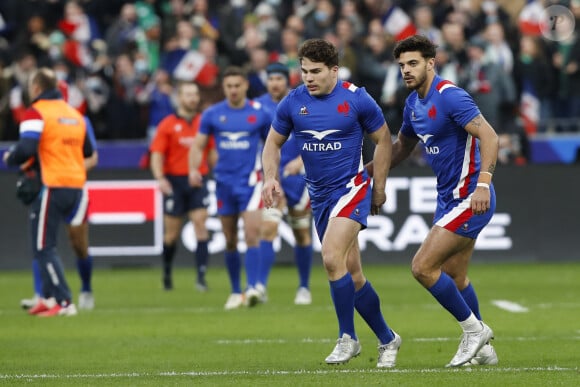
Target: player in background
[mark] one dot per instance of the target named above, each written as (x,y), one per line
(78,234)
(57,133)
(238,126)
(170,167)
(328,118)
(461,148)
(294,197)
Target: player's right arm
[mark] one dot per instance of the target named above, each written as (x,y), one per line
(195,157)
(271,164)
(402,148)
(156,163)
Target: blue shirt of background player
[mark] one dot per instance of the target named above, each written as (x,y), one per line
(238,136)
(289,150)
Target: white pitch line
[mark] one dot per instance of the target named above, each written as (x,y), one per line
(309,340)
(510,306)
(288,372)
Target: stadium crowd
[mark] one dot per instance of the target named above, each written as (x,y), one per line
(122,58)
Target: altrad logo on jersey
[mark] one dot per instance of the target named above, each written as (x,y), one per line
(233,140)
(321,147)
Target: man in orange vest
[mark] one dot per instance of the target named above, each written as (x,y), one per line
(56,133)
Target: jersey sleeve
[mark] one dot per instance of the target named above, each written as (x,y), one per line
(160,141)
(406,127)
(282,122)
(205,126)
(460,106)
(31,125)
(371,116)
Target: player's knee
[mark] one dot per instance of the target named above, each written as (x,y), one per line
(300,222)
(272,214)
(419,270)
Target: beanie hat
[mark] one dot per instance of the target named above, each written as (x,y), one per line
(278,68)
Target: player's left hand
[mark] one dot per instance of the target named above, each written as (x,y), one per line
(480,201)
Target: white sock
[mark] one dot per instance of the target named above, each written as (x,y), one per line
(471,324)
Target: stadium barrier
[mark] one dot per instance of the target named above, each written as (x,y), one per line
(536,220)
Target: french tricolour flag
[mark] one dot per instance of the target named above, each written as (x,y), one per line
(184,65)
(397,23)
(531,18)
(529,108)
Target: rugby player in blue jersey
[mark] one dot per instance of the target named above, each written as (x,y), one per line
(294,197)
(328,118)
(461,148)
(239,126)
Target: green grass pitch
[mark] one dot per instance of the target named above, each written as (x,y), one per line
(139,334)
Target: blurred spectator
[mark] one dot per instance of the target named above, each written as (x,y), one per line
(534,78)
(20,71)
(232,20)
(206,23)
(122,35)
(373,61)
(97,93)
(125,116)
(320,20)
(74,95)
(498,50)
(161,102)
(81,31)
(345,43)
(35,39)
(566,59)
(5,114)
(349,11)
(423,19)
(289,55)
(268,26)
(491,12)
(454,37)
(491,88)
(257,75)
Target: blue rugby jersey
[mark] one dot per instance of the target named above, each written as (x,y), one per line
(438,121)
(329,133)
(238,136)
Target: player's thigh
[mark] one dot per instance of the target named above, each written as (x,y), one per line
(437,248)
(340,236)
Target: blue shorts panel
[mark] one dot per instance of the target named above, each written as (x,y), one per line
(294,187)
(457,217)
(353,203)
(234,199)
